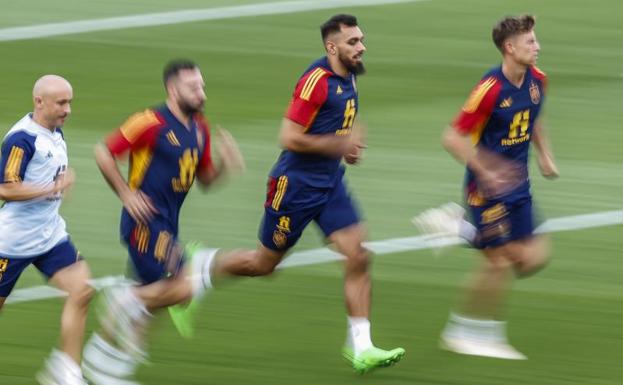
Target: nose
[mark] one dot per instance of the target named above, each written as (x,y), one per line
(362,47)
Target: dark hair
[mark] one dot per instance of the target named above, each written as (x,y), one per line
(511,26)
(174,67)
(334,24)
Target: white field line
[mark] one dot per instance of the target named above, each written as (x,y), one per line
(183,16)
(388,246)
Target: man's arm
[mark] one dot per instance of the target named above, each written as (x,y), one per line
(231,160)
(294,138)
(545,157)
(18,191)
(139,205)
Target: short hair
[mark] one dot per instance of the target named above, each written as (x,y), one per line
(334,24)
(173,68)
(511,26)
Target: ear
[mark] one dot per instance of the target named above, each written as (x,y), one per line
(509,45)
(331,47)
(170,88)
(38,101)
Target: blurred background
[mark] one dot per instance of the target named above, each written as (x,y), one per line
(423,59)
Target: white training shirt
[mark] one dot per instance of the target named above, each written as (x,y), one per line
(34,155)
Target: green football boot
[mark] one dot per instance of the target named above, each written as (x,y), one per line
(372,358)
(183,315)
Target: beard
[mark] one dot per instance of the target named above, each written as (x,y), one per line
(354,68)
(189,109)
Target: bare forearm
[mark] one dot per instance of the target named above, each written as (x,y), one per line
(110,171)
(460,147)
(294,138)
(540,140)
(18,191)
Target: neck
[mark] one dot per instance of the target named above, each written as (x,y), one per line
(337,66)
(40,121)
(178,113)
(514,72)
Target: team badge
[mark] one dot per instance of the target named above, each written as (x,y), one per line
(4,263)
(535,94)
(284,224)
(279,238)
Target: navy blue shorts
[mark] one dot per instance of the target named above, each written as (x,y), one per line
(283,224)
(501,222)
(152,250)
(59,257)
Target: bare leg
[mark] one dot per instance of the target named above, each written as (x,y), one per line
(165,292)
(534,255)
(2,300)
(357,282)
(487,290)
(247,263)
(73,279)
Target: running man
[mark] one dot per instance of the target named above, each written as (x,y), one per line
(307,184)
(34,172)
(492,136)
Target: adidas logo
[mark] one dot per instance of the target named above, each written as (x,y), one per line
(339,90)
(173,139)
(49,154)
(506,102)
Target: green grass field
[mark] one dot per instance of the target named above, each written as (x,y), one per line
(422,60)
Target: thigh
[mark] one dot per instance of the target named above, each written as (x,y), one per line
(73,278)
(349,240)
(154,252)
(340,212)
(10,270)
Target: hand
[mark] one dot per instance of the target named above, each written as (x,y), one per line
(229,152)
(139,206)
(357,144)
(497,175)
(548,166)
(64,181)
(355,154)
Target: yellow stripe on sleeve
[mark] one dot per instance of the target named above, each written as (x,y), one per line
(11,170)
(311,82)
(137,124)
(478,94)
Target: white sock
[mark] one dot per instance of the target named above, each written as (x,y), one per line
(134,306)
(487,330)
(467,231)
(100,356)
(358,336)
(67,362)
(201,271)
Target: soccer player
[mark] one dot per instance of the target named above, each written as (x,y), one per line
(33,174)
(491,136)
(168,147)
(307,184)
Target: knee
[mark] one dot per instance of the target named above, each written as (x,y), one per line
(531,261)
(498,264)
(359,260)
(258,267)
(530,266)
(82,295)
